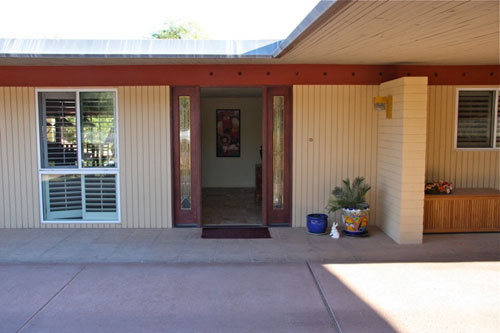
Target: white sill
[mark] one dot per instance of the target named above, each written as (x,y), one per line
(478,149)
(79,222)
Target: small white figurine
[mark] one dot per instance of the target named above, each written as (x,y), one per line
(334,233)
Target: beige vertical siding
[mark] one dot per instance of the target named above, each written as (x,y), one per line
(334,137)
(144,158)
(401,160)
(18,159)
(466,169)
(145,165)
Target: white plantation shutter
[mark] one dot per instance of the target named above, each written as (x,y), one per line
(475,124)
(89,197)
(100,197)
(498,119)
(58,130)
(63,194)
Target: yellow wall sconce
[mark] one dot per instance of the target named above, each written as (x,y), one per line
(383,104)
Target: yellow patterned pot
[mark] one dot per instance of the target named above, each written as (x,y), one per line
(355,220)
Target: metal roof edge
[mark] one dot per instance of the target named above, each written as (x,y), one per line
(133,56)
(74,48)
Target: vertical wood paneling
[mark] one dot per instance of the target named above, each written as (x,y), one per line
(465,169)
(338,119)
(144,159)
(334,132)
(18,180)
(146,114)
(4,205)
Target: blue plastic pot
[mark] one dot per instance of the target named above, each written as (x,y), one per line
(317,223)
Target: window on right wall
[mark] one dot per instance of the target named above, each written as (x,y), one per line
(478,119)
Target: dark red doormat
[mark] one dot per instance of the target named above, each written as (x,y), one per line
(235,233)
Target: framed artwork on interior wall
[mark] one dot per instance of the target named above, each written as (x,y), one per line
(228,132)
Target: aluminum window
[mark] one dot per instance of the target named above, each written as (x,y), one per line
(477,119)
(78,146)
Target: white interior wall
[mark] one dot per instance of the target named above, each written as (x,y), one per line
(231,171)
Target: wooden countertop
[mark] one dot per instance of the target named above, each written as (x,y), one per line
(464,193)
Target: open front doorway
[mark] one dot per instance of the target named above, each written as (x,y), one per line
(219,175)
(231,161)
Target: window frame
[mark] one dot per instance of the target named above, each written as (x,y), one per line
(80,170)
(496,90)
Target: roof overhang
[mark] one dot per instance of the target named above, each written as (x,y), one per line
(375,32)
(397,33)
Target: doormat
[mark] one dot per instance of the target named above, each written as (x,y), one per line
(235,233)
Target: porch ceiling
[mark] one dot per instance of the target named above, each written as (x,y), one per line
(399,32)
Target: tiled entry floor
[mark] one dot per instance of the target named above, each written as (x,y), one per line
(230,206)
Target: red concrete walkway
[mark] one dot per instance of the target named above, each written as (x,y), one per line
(356,297)
(80,281)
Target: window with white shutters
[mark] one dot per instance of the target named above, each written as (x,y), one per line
(100,196)
(98,129)
(64,196)
(58,130)
(498,120)
(477,119)
(78,156)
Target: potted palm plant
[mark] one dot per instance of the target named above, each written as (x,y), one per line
(351,199)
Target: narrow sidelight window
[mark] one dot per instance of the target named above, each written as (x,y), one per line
(278,150)
(185,150)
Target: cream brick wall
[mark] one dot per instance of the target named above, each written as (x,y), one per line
(401,152)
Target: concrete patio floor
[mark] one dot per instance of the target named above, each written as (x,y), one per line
(185,246)
(101,280)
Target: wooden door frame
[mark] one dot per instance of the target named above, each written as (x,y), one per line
(269,216)
(272,216)
(193,216)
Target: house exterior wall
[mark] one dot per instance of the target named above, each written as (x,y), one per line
(465,169)
(325,151)
(334,137)
(19,192)
(401,160)
(144,159)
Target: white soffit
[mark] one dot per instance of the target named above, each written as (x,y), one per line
(401,32)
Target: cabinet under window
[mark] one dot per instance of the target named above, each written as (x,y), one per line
(78,156)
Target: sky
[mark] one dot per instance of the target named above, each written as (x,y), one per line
(137,19)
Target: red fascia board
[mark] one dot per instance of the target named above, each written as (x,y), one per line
(240,75)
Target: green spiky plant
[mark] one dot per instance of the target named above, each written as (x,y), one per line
(349,196)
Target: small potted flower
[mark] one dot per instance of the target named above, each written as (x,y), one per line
(440,187)
(351,199)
